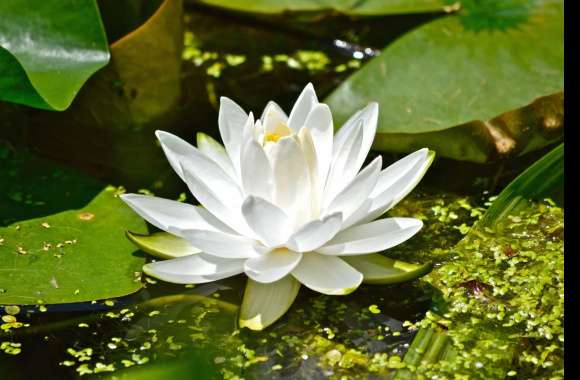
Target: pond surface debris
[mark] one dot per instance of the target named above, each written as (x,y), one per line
(497,294)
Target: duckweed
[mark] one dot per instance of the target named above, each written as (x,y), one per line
(497,294)
(502,299)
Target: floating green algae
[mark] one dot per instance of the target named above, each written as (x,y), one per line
(500,308)
(502,300)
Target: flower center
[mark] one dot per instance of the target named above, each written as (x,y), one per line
(277,132)
(274,137)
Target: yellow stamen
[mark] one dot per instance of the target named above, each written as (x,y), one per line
(274,137)
(276,133)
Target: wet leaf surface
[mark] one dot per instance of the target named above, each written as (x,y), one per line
(44,63)
(73,256)
(468,87)
(350,7)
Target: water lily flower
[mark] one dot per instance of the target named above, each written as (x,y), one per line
(285,202)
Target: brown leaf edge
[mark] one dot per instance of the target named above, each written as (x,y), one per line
(513,133)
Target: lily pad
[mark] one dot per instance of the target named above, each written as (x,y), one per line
(121,107)
(72,256)
(31,187)
(478,85)
(48,49)
(349,7)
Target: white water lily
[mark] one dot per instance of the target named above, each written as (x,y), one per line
(285,202)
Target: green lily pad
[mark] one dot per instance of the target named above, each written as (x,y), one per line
(72,256)
(478,85)
(31,187)
(48,49)
(162,245)
(121,106)
(378,269)
(349,7)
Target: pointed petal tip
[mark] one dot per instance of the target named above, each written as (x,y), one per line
(161,134)
(128,197)
(254,323)
(148,269)
(378,160)
(411,223)
(309,88)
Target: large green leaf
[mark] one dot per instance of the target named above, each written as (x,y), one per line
(350,7)
(76,255)
(121,106)
(48,49)
(467,85)
(544,178)
(31,187)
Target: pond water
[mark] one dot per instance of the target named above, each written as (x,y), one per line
(363,335)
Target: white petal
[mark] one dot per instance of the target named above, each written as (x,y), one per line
(316,233)
(307,145)
(215,151)
(248,133)
(185,157)
(399,169)
(327,274)
(264,304)
(319,122)
(194,269)
(361,213)
(273,107)
(397,189)
(304,104)
(218,195)
(222,244)
(269,222)
(257,175)
(368,117)
(353,195)
(174,148)
(231,120)
(273,118)
(342,170)
(372,237)
(290,173)
(394,183)
(272,266)
(173,216)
